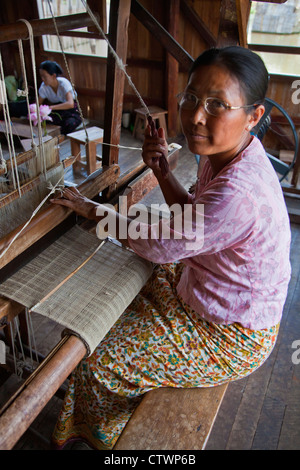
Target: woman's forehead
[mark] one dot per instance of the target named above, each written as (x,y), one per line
(214,79)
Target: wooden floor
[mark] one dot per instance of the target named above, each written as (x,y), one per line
(258,412)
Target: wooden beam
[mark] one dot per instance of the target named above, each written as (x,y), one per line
(38,389)
(272,1)
(51,216)
(160,33)
(14,31)
(115,79)
(8,310)
(98,6)
(228,34)
(275,49)
(199,25)
(172,69)
(243,11)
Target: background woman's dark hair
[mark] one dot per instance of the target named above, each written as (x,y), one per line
(245,65)
(51,67)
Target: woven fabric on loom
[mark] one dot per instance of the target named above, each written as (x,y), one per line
(91,301)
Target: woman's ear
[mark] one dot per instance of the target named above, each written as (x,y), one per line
(255,116)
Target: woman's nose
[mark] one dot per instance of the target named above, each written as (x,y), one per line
(199,114)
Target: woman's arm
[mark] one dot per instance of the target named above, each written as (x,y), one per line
(68,104)
(153,149)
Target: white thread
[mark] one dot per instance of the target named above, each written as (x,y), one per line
(122,146)
(31,333)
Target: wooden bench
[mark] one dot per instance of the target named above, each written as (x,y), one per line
(173,419)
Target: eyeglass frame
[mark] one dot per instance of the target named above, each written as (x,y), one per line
(227,107)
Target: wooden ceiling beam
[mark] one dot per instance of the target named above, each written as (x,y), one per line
(15,31)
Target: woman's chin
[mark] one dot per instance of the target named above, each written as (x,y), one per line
(198,148)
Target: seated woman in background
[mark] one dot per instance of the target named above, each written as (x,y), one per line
(57,92)
(210,313)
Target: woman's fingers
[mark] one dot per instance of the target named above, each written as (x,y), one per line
(71,198)
(67,197)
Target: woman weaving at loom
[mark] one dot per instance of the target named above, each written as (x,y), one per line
(58,93)
(209,314)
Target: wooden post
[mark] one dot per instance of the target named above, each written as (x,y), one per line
(115,78)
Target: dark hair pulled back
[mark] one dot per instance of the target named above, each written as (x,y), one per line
(51,67)
(246,66)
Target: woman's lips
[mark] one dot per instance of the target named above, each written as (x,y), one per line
(197,136)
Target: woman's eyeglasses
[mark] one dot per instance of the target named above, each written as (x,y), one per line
(213,106)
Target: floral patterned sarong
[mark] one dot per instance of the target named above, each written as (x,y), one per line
(157,342)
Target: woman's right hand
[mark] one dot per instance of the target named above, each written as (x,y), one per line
(154,148)
(71,198)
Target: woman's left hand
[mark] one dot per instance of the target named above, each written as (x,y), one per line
(73,199)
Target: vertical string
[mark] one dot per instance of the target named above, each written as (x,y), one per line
(32,51)
(31,334)
(24,74)
(12,334)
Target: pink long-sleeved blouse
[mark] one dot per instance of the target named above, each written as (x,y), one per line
(237,267)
